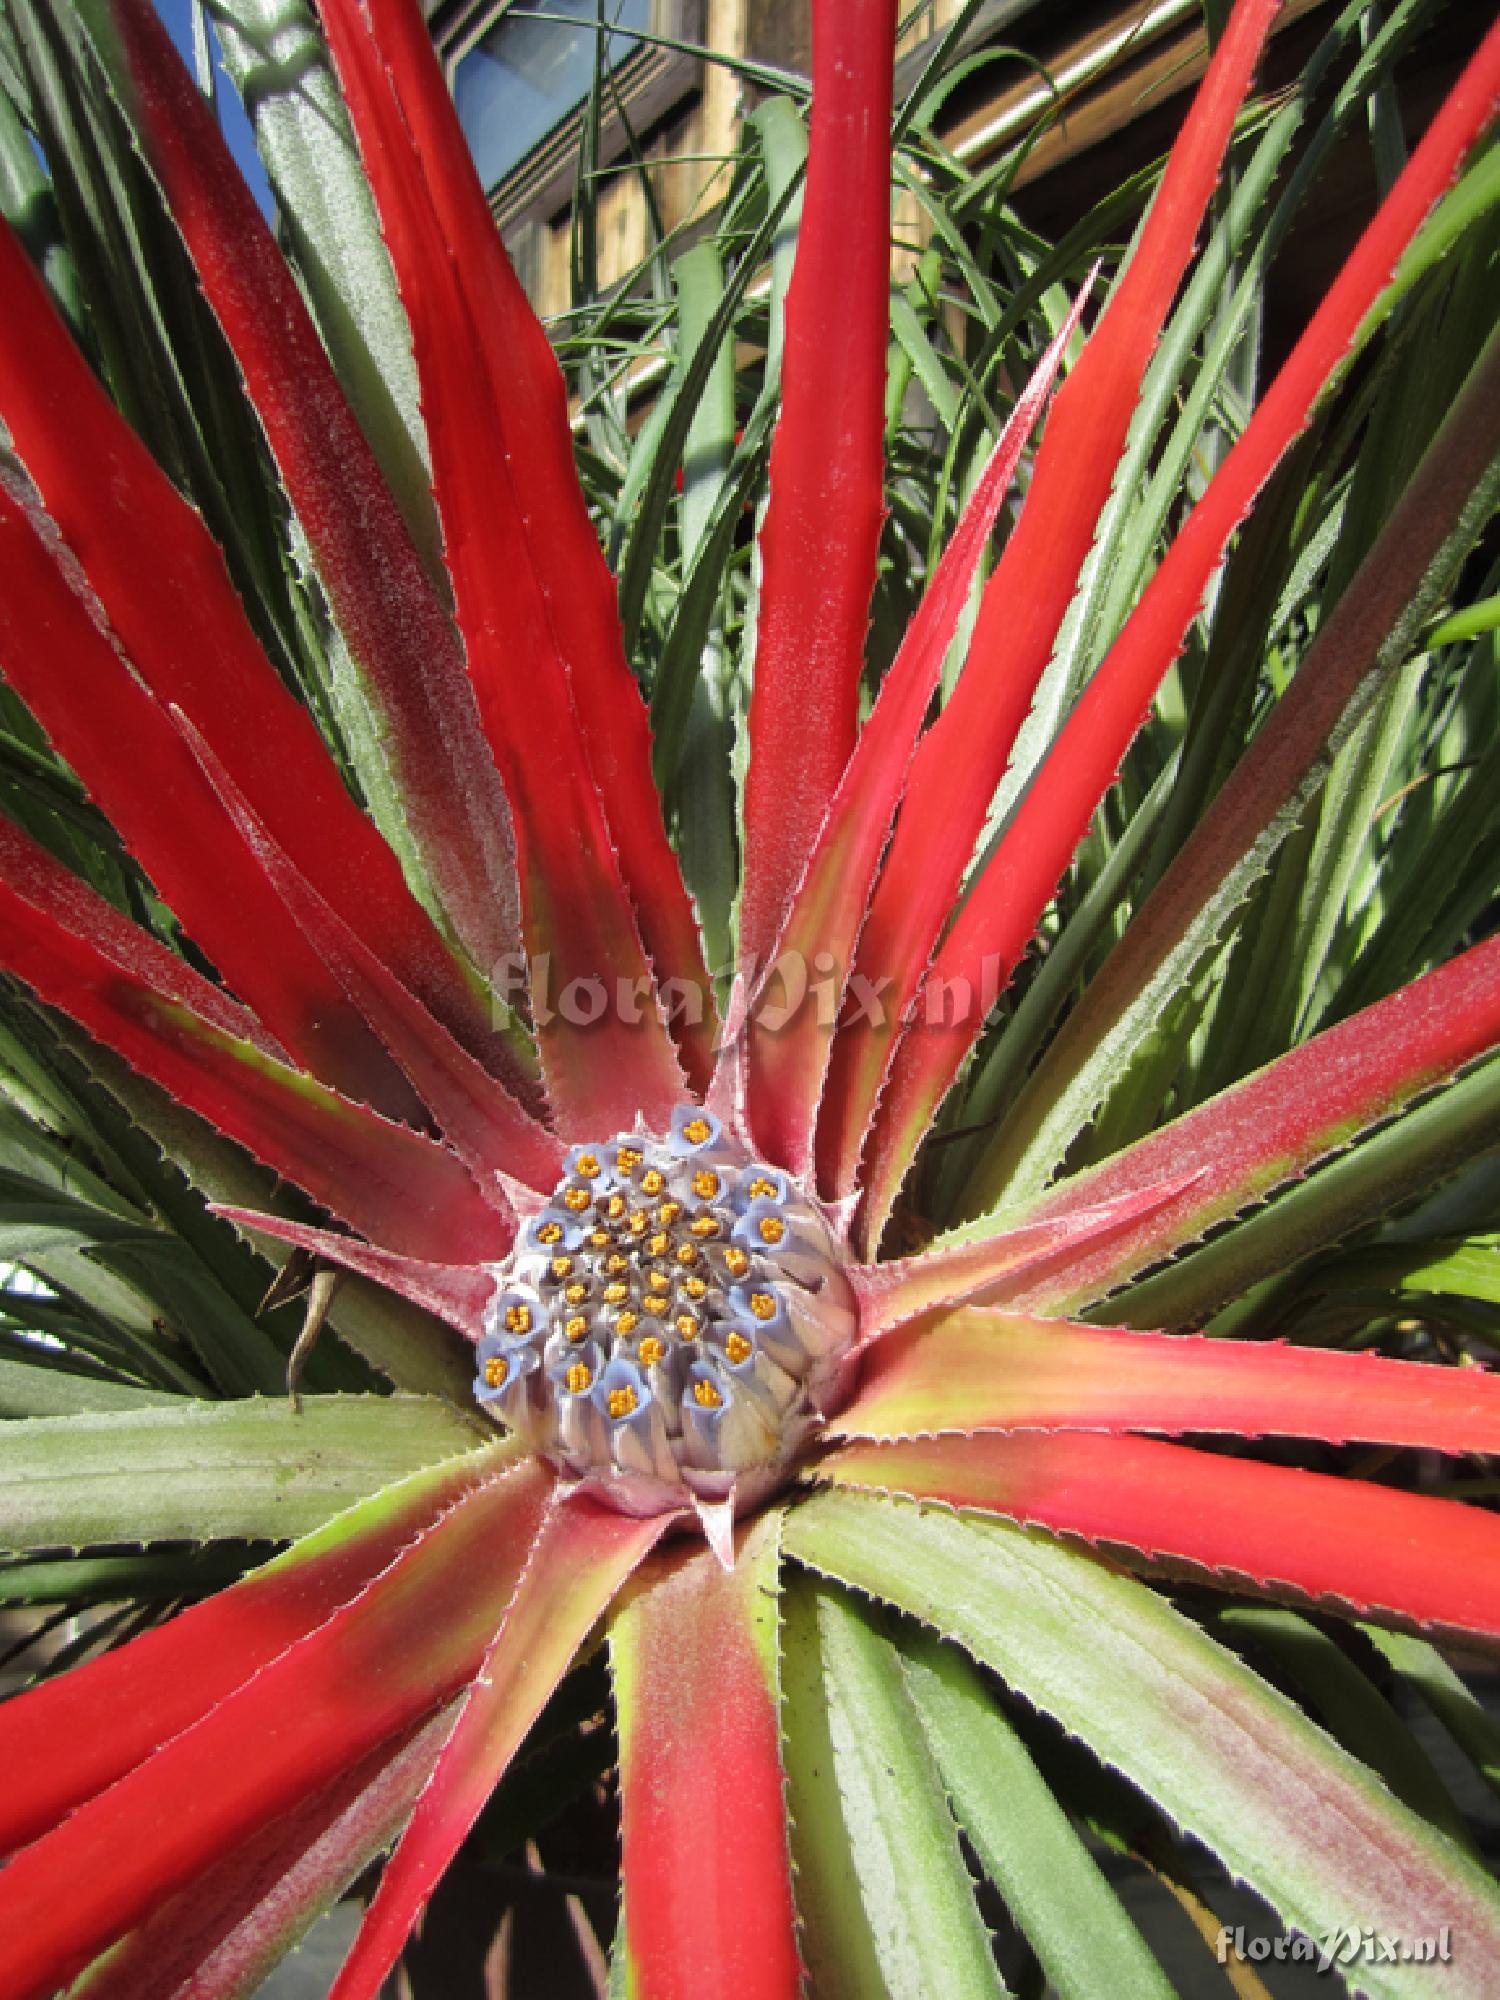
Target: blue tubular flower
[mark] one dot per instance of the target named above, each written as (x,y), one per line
(503,1367)
(695,1132)
(788,1234)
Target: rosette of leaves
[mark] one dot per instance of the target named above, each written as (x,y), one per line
(804,1006)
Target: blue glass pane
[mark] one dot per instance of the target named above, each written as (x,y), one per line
(527,74)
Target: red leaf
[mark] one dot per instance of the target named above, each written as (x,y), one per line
(555,691)
(706,1873)
(222,1937)
(787,1064)
(395,1653)
(979,1370)
(167,595)
(143,1001)
(964,755)
(379,590)
(1348,659)
(1366,1548)
(1247,1141)
(458,1293)
(485,1125)
(74,1736)
(822,519)
(993,927)
(582,1555)
(115,734)
(1011,1260)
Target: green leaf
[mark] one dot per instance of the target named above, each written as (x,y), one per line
(251,1470)
(1459,1124)
(886,1902)
(1222,1754)
(411,1349)
(1465,1718)
(33,1389)
(114,1579)
(279,64)
(1351,1707)
(1030,1849)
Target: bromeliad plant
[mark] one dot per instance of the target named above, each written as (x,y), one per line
(718,1363)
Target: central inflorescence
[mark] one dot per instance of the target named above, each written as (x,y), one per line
(675,1323)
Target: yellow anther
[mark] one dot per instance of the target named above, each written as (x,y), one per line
(658,1281)
(772,1229)
(628,1158)
(667,1214)
(687,1253)
(736,1261)
(623,1402)
(587,1164)
(704,1226)
(518,1319)
(495,1371)
(627,1322)
(577,1199)
(653,1180)
(659,1244)
(761,1189)
(616,1262)
(576,1293)
(697,1131)
(562,1267)
(579,1378)
(636,1222)
(614,1208)
(763,1305)
(616,1294)
(737,1348)
(706,1396)
(705,1184)
(577,1327)
(687,1325)
(600,1239)
(549,1232)
(696,1288)
(651,1350)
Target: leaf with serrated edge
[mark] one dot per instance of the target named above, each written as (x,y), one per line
(249,1470)
(981,1370)
(1369,633)
(377,585)
(829,901)
(166,1680)
(886,1902)
(1361,1547)
(905,1288)
(996,921)
(821,528)
(1253,1137)
(1052,1885)
(582,1555)
(706,1882)
(337,1692)
(222,1937)
(962,758)
(1221,1753)
(76,951)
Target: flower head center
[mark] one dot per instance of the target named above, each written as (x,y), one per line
(671,1321)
